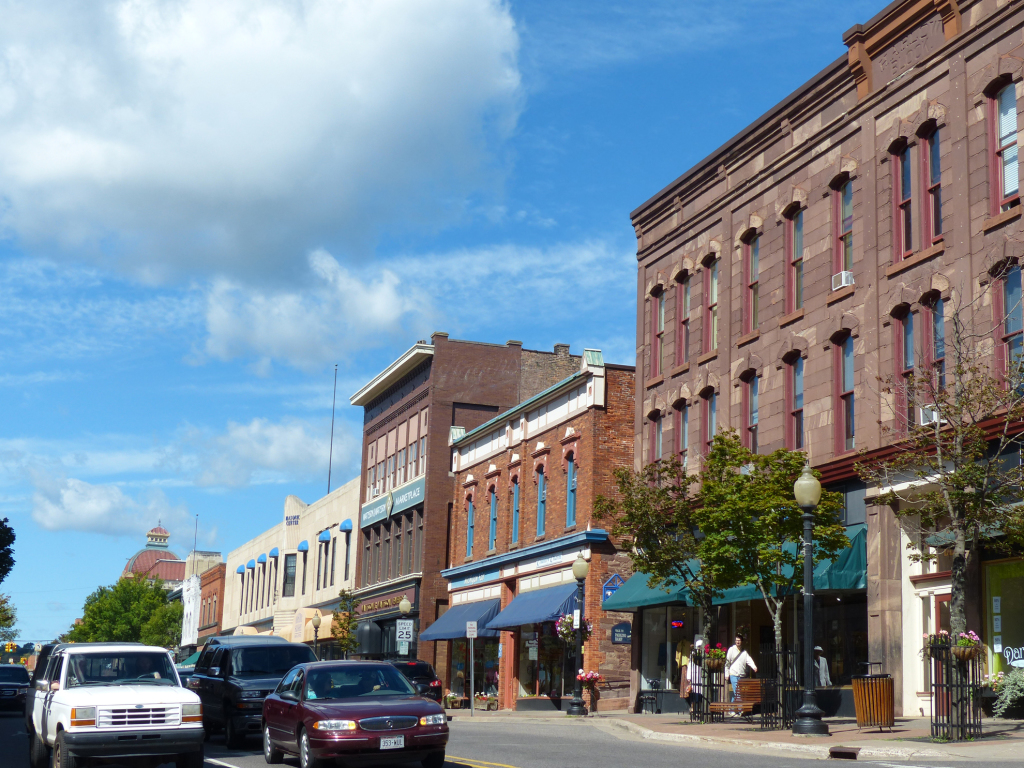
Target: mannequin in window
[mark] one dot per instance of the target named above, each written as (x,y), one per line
(683,650)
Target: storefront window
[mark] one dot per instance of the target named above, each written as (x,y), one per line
(841,629)
(668,633)
(485,672)
(1004,614)
(544,666)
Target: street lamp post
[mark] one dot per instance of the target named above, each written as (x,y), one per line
(580,568)
(316,633)
(405,607)
(807,491)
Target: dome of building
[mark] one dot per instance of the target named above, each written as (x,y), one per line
(155,559)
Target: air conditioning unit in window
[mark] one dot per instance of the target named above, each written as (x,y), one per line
(929,415)
(841,280)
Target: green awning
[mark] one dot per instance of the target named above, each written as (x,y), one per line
(847,572)
(947,539)
(190,661)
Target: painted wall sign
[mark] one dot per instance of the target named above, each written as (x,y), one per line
(1014,656)
(622,634)
(394,501)
(476,578)
(291,519)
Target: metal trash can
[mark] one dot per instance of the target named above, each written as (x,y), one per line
(874,698)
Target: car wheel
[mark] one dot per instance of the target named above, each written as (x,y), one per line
(61,757)
(38,752)
(434,760)
(190,760)
(232,738)
(306,759)
(271,754)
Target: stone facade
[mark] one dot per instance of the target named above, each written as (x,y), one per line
(211,601)
(595,434)
(918,67)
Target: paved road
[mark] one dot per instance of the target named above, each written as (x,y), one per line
(510,744)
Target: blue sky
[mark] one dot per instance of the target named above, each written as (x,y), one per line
(205,207)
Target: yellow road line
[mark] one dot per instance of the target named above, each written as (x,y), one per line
(474,761)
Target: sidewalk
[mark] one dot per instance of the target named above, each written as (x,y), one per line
(1002,740)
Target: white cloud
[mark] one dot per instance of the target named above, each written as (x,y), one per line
(171,136)
(340,312)
(63,503)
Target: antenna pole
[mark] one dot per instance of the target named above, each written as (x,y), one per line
(330,456)
(195,545)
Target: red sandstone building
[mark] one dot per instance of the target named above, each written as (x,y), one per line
(816,251)
(406,495)
(211,602)
(525,485)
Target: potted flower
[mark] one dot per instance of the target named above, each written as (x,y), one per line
(565,629)
(968,645)
(714,658)
(990,685)
(590,681)
(941,638)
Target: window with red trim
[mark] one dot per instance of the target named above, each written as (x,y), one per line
(683,312)
(1004,173)
(751,396)
(795,261)
(931,173)
(795,403)
(844,421)
(711,306)
(654,437)
(657,333)
(681,427)
(709,419)
(1013,317)
(903,214)
(842,218)
(751,252)
(905,357)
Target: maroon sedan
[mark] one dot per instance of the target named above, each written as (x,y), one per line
(363,712)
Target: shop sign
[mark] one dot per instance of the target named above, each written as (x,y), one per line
(388,602)
(394,501)
(1014,656)
(611,586)
(477,578)
(291,519)
(532,648)
(622,634)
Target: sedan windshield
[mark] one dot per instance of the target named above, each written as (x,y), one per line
(355,681)
(268,661)
(128,668)
(13,675)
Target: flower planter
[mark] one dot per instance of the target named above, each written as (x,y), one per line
(965,652)
(714,665)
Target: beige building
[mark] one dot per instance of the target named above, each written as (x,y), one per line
(279,580)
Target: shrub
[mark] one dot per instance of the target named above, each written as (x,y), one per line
(1011,692)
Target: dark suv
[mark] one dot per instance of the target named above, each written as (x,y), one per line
(14,684)
(422,676)
(234,674)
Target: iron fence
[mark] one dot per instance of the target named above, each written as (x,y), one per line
(706,687)
(955,692)
(780,687)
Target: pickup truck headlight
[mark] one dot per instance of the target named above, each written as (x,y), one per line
(192,713)
(251,694)
(335,725)
(433,720)
(83,716)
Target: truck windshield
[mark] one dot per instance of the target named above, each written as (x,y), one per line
(13,675)
(269,661)
(120,668)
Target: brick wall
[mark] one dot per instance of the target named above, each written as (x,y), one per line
(541,370)
(211,585)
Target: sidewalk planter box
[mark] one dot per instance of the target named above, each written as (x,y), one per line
(874,700)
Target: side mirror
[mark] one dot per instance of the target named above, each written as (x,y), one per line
(288,695)
(55,685)
(214,672)
(41,685)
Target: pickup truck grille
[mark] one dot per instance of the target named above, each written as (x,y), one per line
(131,717)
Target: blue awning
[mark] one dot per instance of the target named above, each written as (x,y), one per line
(261,559)
(274,552)
(346,525)
(251,564)
(324,536)
(452,623)
(535,607)
(303,546)
(240,569)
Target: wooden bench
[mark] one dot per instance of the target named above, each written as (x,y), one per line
(748,695)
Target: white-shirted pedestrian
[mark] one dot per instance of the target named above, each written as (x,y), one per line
(738,662)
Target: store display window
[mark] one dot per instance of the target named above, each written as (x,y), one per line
(485,672)
(668,633)
(545,668)
(1004,614)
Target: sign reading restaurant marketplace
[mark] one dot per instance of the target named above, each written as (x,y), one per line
(394,501)
(386,602)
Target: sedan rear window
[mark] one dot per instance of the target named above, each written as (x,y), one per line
(415,669)
(120,669)
(268,661)
(13,675)
(355,681)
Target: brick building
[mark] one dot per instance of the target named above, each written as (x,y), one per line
(818,250)
(406,490)
(211,602)
(525,485)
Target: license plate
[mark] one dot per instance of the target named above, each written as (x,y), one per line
(395,742)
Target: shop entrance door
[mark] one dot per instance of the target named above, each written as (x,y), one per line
(941,623)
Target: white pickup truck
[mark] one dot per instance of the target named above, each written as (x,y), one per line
(114,701)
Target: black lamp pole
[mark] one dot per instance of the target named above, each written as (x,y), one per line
(808,717)
(579,570)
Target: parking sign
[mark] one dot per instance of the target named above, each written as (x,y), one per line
(470,629)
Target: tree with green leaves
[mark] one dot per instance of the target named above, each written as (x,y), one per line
(8,618)
(953,473)
(751,520)
(656,518)
(163,627)
(6,549)
(345,622)
(119,612)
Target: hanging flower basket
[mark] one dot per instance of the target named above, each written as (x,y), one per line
(966,652)
(714,665)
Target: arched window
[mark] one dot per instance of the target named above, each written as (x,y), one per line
(657,333)
(842,226)
(683,319)
(844,422)
(902,201)
(709,418)
(515,510)
(213,618)
(934,333)
(493,538)
(1004,171)
(570,492)
(711,305)
(1012,328)
(794,261)
(904,358)
(751,403)
(682,431)
(795,403)
(469,526)
(655,428)
(751,268)
(931,173)
(541,500)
